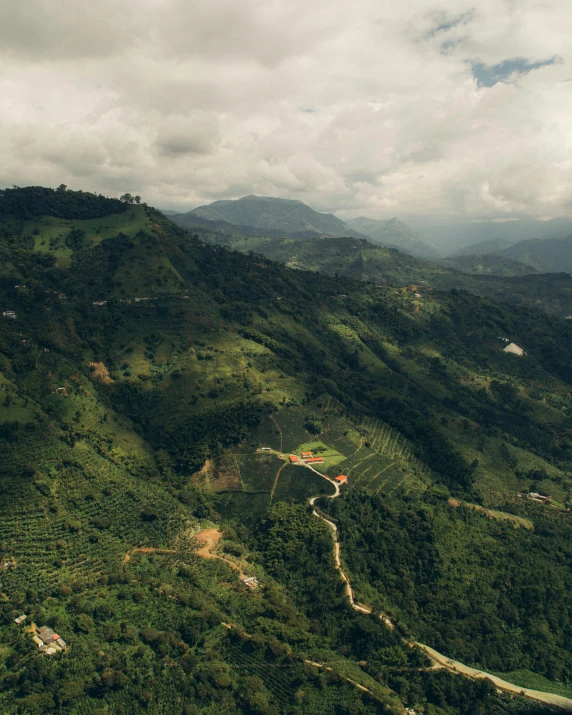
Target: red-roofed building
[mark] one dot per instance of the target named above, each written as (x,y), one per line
(314,460)
(342,479)
(306,454)
(293,459)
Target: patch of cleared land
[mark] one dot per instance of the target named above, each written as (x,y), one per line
(518,521)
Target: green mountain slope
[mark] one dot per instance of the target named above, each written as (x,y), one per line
(494,277)
(142,373)
(550,254)
(482,248)
(206,226)
(395,234)
(491,264)
(265,212)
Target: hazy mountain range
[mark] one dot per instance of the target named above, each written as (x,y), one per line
(253,216)
(449,237)
(482,248)
(394,234)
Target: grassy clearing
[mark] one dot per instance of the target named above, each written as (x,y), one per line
(319,449)
(518,521)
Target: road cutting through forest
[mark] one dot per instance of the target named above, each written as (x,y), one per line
(555,702)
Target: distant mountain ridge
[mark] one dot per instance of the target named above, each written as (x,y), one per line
(256,216)
(545,254)
(488,264)
(394,234)
(264,212)
(450,237)
(483,248)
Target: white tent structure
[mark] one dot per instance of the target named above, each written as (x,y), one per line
(514,349)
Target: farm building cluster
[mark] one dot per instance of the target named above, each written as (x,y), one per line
(309,458)
(305,458)
(47,640)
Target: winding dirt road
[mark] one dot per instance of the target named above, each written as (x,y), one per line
(555,702)
(209,538)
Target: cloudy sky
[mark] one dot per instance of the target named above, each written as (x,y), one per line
(376,107)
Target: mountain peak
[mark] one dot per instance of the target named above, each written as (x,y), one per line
(268,212)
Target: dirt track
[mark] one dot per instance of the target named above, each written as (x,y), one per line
(210,538)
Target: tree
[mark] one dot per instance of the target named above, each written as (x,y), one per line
(137,199)
(127,199)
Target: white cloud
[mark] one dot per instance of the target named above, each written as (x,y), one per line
(366,107)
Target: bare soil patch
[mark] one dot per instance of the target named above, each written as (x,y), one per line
(100,372)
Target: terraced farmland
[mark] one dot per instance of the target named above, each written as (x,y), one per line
(76,518)
(384,461)
(372,454)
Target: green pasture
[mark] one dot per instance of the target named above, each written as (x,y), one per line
(319,449)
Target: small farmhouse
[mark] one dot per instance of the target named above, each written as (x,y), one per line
(306,454)
(250,581)
(48,641)
(341,479)
(293,459)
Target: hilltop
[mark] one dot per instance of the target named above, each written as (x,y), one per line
(143,372)
(265,212)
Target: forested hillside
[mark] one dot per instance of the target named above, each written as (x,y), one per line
(142,372)
(491,276)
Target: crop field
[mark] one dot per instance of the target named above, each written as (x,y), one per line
(299,484)
(282,680)
(373,455)
(49,233)
(383,462)
(258,471)
(78,517)
(249,484)
(285,430)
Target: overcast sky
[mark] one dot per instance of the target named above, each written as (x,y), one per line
(376,107)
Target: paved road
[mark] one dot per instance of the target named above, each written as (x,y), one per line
(555,702)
